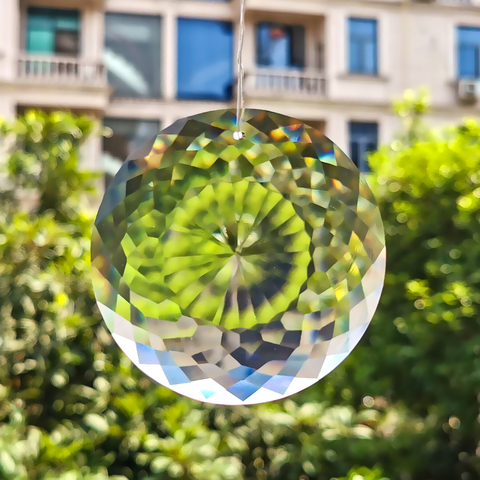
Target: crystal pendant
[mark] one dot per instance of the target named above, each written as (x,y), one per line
(238,272)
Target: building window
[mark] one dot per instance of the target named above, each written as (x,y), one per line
(205,59)
(363,43)
(468,52)
(363,140)
(132,55)
(128,136)
(280,46)
(52,31)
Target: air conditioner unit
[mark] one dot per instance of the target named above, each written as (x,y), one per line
(468,91)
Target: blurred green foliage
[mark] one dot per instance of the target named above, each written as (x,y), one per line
(403,406)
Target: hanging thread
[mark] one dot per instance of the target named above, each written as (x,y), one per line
(240,73)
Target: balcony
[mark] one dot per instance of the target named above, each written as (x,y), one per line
(59,81)
(452,3)
(298,7)
(61,71)
(295,85)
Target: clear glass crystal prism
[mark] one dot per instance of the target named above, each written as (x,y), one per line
(238,271)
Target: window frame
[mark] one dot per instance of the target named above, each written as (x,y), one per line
(290,26)
(158,88)
(52,9)
(459,74)
(362,160)
(200,96)
(376,60)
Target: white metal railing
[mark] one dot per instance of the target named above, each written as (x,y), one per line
(61,70)
(475,3)
(273,82)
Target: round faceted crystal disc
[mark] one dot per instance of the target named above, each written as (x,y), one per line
(238,271)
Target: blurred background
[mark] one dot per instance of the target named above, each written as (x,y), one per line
(395,83)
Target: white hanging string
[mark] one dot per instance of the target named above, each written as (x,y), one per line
(240,73)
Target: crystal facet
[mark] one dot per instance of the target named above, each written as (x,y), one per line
(238,271)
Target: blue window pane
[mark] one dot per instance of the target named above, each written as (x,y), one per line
(363,140)
(52,31)
(355,57)
(132,55)
(280,46)
(363,42)
(468,52)
(274,46)
(128,136)
(205,59)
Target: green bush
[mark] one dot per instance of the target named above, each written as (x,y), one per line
(403,406)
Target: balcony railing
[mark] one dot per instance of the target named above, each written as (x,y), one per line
(271,83)
(61,70)
(472,3)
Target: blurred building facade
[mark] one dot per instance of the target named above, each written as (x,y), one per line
(139,65)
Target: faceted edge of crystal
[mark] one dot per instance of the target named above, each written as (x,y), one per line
(209,391)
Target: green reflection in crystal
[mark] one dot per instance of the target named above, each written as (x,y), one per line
(235,254)
(243,268)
